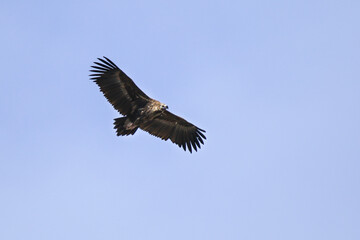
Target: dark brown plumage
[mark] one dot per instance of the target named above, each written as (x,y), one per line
(141,111)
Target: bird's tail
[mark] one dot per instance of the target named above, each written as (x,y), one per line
(121,130)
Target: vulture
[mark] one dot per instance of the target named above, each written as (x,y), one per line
(141,111)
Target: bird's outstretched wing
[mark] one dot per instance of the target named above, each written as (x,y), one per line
(117,87)
(178,130)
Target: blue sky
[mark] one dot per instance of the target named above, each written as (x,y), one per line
(274,83)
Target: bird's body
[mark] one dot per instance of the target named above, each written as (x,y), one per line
(139,117)
(141,111)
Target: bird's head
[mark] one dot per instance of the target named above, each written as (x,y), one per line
(163,107)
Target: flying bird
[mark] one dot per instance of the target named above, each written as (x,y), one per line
(141,111)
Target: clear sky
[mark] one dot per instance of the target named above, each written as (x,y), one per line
(274,83)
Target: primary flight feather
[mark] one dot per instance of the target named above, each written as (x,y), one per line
(141,111)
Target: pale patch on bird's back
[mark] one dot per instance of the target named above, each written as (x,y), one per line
(154,106)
